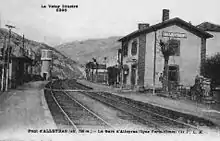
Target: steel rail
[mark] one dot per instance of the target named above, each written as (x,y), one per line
(95,91)
(170,119)
(135,107)
(158,127)
(76,101)
(179,122)
(84,91)
(94,114)
(62,110)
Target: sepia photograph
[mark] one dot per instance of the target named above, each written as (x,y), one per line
(103,70)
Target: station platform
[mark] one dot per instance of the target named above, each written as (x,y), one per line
(210,112)
(24,109)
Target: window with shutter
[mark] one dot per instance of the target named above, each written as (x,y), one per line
(134,48)
(175,44)
(125,49)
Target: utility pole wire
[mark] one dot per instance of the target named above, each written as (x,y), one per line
(8,56)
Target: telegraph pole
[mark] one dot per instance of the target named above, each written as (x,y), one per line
(3,66)
(8,53)
(23,50)
(105,72)
(51,70)
(155,47)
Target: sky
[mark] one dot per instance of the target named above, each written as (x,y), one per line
(98,18)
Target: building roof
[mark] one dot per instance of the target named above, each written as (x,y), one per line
(24,58)
(100,66)
(207,26)
(175,21)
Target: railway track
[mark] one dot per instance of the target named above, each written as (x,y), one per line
(158,121)
(57,114)
(75,114)
(145,114)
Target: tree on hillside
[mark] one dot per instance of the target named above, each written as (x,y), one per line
(88,70)
(167,51)
(96,66)
(212,68)
(105,62)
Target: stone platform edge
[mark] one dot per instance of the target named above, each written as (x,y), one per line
(47,112)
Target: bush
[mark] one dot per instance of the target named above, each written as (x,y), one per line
(212,69)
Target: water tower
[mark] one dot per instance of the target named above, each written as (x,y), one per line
(46,58)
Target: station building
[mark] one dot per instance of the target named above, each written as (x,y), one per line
(96,73)
(142,61)
(213,44)
(20,66)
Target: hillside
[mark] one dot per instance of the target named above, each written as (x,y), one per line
(84,51)
(62,65)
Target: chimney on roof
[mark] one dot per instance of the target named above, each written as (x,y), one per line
(143,26)
(166,15)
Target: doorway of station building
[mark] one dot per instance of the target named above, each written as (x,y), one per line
(133,75)
(45,76)
(125,74)
(173,76)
